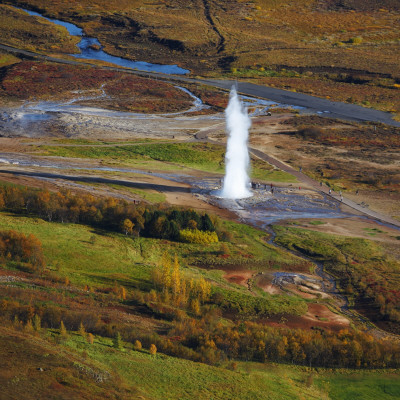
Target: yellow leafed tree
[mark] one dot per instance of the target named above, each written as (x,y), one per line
(166,271)
(176,277)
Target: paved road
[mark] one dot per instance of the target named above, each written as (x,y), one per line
(335,109)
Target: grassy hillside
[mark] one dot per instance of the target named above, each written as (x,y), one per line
(100,285)
(90,257)
(20,30)
(39,366)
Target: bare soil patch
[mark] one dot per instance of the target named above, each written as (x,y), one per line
(238,277)
(318,315)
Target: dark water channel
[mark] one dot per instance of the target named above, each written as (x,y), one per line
(88,50)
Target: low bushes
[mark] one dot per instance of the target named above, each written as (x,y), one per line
(196,236)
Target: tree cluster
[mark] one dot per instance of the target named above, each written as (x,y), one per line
(175,289)
(106,213)
(257,342)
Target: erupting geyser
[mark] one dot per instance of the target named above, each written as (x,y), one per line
(236,182)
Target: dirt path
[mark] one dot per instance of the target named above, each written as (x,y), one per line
(324,189)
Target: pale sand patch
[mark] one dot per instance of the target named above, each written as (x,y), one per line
(271,289)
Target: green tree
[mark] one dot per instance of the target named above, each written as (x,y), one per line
(206,223)
(117,342)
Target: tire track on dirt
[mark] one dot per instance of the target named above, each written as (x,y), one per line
(210,20)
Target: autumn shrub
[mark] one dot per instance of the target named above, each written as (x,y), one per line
(196,236)
(17,246)
(137,345)
(90,338)
(29,79)
(356,40)
(310,132)
(153,349)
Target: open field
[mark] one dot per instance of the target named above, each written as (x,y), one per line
(18,29)
(32,80)
(200,156)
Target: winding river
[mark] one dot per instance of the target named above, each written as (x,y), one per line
(87,47)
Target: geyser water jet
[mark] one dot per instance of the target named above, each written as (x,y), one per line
(236,182)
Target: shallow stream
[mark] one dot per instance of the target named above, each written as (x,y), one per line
(88,50)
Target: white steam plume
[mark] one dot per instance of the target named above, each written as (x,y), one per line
(237,160)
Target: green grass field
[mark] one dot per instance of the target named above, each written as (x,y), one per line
(70,368)
(163,377)
(168,156)
(88,257)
